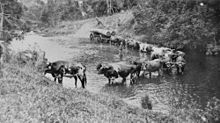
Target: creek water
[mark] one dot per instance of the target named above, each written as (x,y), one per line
(199,83)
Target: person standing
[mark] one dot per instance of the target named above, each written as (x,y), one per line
(121,51)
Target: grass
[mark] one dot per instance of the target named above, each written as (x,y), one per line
(65,28)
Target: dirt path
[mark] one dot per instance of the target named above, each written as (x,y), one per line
(56,48)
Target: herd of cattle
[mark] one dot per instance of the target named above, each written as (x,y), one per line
(159,59)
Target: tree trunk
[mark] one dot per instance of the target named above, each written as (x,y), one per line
(1,23)
(109,6)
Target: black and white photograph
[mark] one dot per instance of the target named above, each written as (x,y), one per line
(109,61)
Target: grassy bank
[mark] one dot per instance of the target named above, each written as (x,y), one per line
(27,96)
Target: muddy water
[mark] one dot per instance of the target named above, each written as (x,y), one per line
(200,82)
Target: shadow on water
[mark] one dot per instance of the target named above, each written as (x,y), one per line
(200,82)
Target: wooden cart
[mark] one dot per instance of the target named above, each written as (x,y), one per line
(101,35)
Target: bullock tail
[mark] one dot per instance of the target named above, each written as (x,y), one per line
(84,76)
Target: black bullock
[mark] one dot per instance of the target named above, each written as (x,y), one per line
(122,69)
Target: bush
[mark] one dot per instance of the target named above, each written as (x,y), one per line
(175,23)
(146,102)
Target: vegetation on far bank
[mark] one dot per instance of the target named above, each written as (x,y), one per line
(177,23)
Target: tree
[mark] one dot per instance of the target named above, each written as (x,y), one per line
(175,23)
(11,13)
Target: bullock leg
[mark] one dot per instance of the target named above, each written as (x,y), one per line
(55,77)
(183,69)
(85,79)
(109,80)
(75,77)
(82,79)
(138,73)
(123,80)
(159,73)
(83,82)
(60,80)
(150,75)
(132,78)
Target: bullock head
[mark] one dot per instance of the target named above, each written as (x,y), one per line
(168,65)
(180,67)
(49,65)
(173,68)
(47,68)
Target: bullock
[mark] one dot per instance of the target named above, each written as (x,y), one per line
(146,48)
(159,52)
(153,66)
(117,40)
(122,69)
(60,69)
(133,44)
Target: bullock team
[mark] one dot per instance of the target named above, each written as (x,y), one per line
(158,59)
(155,59)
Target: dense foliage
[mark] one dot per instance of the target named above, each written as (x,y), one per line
(12,19)
(176,23)
(55,10)
(12,12)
